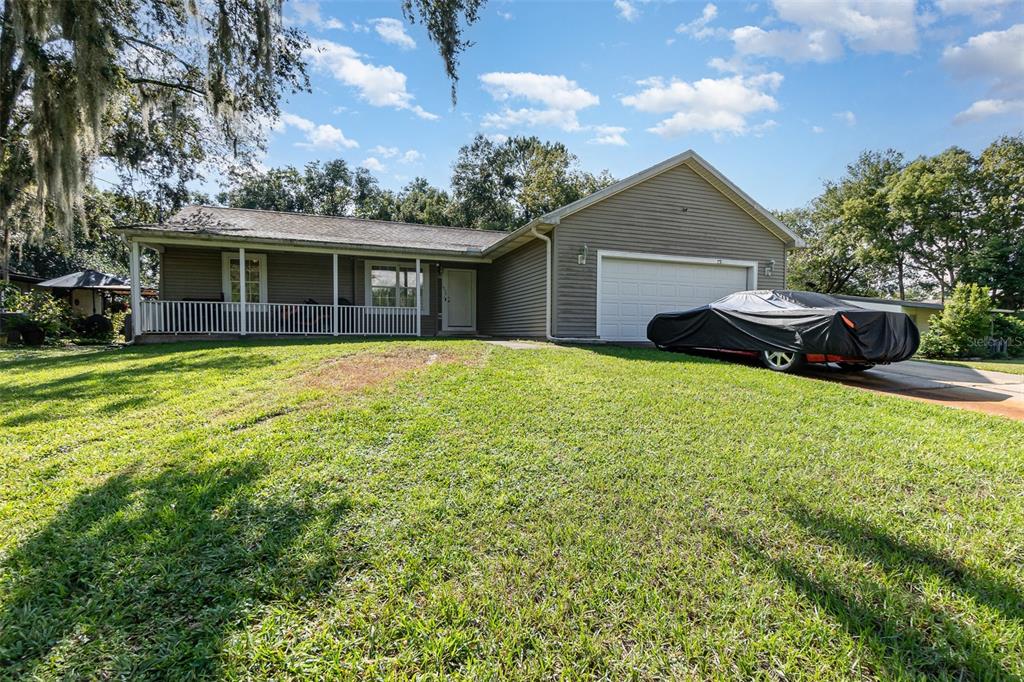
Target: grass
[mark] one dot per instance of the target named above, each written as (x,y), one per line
(1010,366)
(452,509)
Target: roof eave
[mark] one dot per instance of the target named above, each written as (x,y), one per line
(144,231)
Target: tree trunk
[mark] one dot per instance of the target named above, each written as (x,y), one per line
(899,278)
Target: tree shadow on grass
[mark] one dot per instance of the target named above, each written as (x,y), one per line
(121,391)
(147,575)
(907,635)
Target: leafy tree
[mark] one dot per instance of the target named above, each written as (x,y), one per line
(964,325)
(834,261)
(321,189)
(999,262)
(867,214)
(507,184)
(937,198)
(420,202)
(156,87)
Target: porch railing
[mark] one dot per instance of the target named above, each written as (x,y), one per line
(204,317)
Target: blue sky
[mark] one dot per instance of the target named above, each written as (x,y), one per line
(779,94)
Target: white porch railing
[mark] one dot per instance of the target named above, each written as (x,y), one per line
(202,317)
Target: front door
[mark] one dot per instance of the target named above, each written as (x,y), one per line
(458,300)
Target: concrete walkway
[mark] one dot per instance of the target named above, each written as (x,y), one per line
(970,389)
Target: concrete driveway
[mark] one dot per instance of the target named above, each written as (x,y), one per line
(963,387)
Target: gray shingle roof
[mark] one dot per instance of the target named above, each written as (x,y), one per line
(333,230)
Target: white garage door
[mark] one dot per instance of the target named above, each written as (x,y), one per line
(634,290)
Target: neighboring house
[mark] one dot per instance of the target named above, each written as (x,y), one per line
(87,292)
(676,235)
(919,311)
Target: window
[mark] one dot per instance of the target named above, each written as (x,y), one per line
(394,284)
(255,277)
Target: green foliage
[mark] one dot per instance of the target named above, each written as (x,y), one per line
(500,186)
(37,308)
(963,328)
(916,228)
(1011,329)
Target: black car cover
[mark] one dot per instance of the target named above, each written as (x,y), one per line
(796,321)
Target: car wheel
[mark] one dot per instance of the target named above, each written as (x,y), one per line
(781,360)
(855,366)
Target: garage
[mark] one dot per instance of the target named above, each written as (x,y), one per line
(633,288)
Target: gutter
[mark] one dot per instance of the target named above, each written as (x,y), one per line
(547,295)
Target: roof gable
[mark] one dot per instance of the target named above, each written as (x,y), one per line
(688,158)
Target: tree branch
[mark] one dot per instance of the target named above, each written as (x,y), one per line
(182,87)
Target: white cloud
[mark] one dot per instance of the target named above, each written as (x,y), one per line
(984,108)
(699,28)
(408,156)
(507,16)
(984,11)
(560,98)
(866,25)
(373,163)
(381,86)
(307,13)
(393,31)
(611,135)
(808,45)
(386,152)
(817,130)
(627,10)
(721,105)
(823,27)
(847,117)
(557,92)
(996,58)
(318,136)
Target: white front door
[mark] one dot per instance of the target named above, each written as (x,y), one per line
(458,300)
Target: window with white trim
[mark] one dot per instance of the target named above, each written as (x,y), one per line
(255,277)
(394,285)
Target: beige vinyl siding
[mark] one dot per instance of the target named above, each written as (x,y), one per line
(190,274)
(294,277)
(649,218)
(510,292)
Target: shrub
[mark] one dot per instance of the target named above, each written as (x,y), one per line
(1010,328)
(95,327)
(37,310)
(963,328)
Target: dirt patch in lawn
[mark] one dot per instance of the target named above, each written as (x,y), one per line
(362,370)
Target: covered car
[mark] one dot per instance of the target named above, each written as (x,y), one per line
(787,328)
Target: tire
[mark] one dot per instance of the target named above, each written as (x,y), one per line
(855,366)
(781,361)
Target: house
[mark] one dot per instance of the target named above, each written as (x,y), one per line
(678,234)
(87,292)
(22,282)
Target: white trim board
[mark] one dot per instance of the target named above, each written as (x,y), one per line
(751,266)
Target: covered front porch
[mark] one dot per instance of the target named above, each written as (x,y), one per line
(206,290)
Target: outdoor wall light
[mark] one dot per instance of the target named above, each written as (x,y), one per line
(581,258)
(769,269)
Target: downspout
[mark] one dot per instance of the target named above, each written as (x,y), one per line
(547,294)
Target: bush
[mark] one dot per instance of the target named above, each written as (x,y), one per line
(95,327)
(963,328)
(1010,328)
(40,309)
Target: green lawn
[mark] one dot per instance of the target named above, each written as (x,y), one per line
(454,509)
(1014,366)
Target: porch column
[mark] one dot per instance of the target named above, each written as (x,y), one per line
(334,301)
(134,270)
(241,290)
(419,292)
